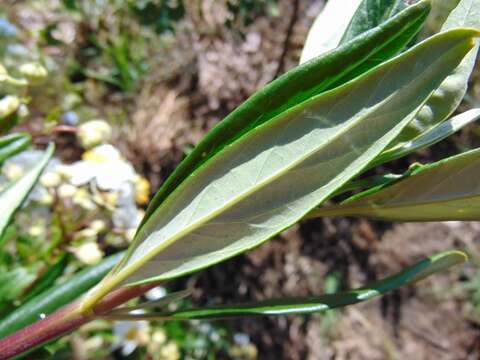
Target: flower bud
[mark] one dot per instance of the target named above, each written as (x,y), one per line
(93,133)
(50,179)
(89,253)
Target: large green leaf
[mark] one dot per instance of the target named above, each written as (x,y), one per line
(450,93)
(55,297)
(369,14)
(13,144)
(321,303)
(270,178)
(298,85)
(435,134)
(12,197)
(446,190)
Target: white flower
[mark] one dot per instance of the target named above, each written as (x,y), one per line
(66,191)
(125,215)
(98,225)
(156,293)
(83,199)
(36,230)
(93,133)
(87,233)
(157,340)
(131,334)
(50,179)
(102,164)
(170,351)
(88,253)
(8,105)
(33,71)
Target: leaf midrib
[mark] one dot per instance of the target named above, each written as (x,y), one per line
(198,223)
(125,272)
(332,83)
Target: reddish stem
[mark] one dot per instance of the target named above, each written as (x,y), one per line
(63,321)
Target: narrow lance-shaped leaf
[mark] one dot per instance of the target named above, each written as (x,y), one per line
(342,21)
(428,138)
(442,191)
(13,144)
(298,85)
(57,296)
(12,197)
(450,93)
(314,304)
(270,178)
(369,14)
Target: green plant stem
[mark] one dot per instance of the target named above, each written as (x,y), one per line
(65,320)
(54,298)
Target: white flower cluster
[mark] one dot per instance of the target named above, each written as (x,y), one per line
(102,185)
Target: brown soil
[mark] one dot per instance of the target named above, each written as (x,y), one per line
(433,320)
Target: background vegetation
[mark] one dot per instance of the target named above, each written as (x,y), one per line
(125,88)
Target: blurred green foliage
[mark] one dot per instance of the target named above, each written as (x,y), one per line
(108,53)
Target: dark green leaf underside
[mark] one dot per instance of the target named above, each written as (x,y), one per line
(301,83)
(287,306)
